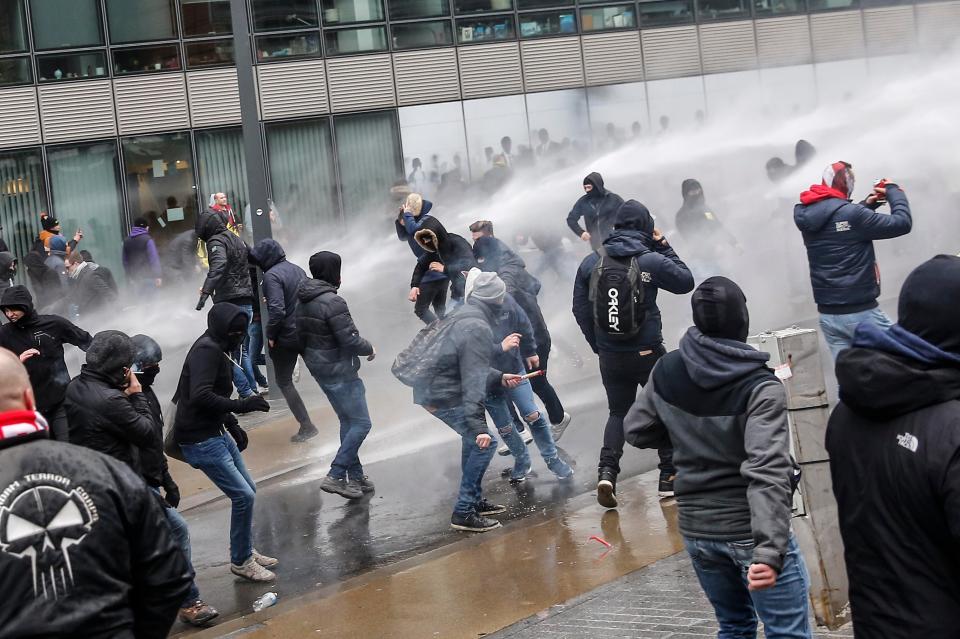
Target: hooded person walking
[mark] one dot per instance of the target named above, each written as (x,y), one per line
(894,446)
(281,285)
(598,208)
(141,261)
(331,346)
(839,235)
(445,253)
(38,340)
(724,412)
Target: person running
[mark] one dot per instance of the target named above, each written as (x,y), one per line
(445,253)
(894,446)
(331,344)
(449,369)
(597,207)
(85,546)
(724,412)
(209,435)
(38,340)
(153,466)
(281,283)
(432,290)
(839,235)
(615,305)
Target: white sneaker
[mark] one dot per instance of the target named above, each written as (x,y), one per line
(263,390)
(252,571)
(503,450)
(527,436)
(558,429)
(263,560)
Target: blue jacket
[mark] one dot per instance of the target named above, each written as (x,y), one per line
(839,238)
(407,225)
(512,319)
(660,268)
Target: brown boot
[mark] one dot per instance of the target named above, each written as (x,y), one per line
(198,614)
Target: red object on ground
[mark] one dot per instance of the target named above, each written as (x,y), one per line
(602,541)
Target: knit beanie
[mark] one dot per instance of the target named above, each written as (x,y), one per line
(110,352)
(57,243)
(484,287)
(928,305)
(720,309)
(48,222)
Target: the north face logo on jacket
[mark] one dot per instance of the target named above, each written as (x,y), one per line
(909,442)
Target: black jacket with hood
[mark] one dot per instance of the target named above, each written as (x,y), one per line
(659,268)
(894,444)
(724,412)
(281,281)
(8,269)
(598,208)
(44,281)
(449,249)
(697,224)
(116,567)
(329,340)
(204,407)
(228,278)
(46,333)
(94,289)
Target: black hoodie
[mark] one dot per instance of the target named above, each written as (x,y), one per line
(281,279)
(8,268)
(204,407)
(328,338)
(698,225)
(894,444)
(449,249)
(46,333)
(598,208)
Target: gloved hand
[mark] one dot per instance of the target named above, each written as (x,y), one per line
(239,435)
(251,404)
(171,493)
(203,300)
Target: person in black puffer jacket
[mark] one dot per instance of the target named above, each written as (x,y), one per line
(94,289)
(331,343)
(446,253)
(894,445)
(209,435)
(598,208)
(839,238)
(38,340)
(281,283)
(109,566)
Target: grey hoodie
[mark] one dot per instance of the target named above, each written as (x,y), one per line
(725,414)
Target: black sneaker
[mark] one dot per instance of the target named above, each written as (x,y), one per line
(665,489)
(349,490)
(607,488)
(304,434)
(473,523)
(486,508)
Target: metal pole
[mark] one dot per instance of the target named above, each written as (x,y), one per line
(252,147)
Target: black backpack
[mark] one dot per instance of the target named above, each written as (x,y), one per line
(420,359)
(616,294)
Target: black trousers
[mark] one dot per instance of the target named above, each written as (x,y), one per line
(57,423)
(544,390)
(431,294)
(623,374)
(284,361)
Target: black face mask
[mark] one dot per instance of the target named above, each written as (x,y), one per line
(234,341)
(148,375)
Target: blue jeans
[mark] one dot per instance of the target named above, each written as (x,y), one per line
(838,329)
(473,460)
(496,404)
(243,376)
(522,397)
(181,535)
(784,609)
(349,401)
(220,460)
(255,350)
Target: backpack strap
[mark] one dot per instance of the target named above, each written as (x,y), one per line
(595,274)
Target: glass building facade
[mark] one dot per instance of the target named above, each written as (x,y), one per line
(328,170)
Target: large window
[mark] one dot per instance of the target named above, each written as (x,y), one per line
(274,15)
(141,20)
(347,11)
(164,57)
(13,26)
(342,41)
(828,5)
(559,127)
(421,34)
(290,45)
(160,183)
(221,167)
(406,9)
(71,66)
(85,189)
(546,23)
(15,71)
(497,136)
(435,150)
(621,16)
(486,29)
(22,197)
(479,6)
(205,17)
(618,115)
(63,24)
(657,12)
(302,177)
(719,9)
(368,154)
(209,53)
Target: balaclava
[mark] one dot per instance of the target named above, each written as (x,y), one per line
(928,305)
(720,309)
(147,357)
(596,180)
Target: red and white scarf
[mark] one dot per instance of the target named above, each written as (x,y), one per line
(19,423)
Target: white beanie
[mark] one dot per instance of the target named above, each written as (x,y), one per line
(484,287)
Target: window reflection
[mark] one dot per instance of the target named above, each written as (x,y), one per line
(347,11)
(274,15)
(13,27)
(146,59)
(478,6)
(774,7)
(434,144)
(405,9)
(485,29)
(827,5)
(15,71)
(421,34)
(604,18)
(660,12)
(546,23)
(62,24)
(498,139)
(542,4)
(341,41)
(717,9)
(205,17)
(141,21)
(559,127)
(209,53)
(288,46)
(71,66)
(24,194)
(618,115)
(368,154)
